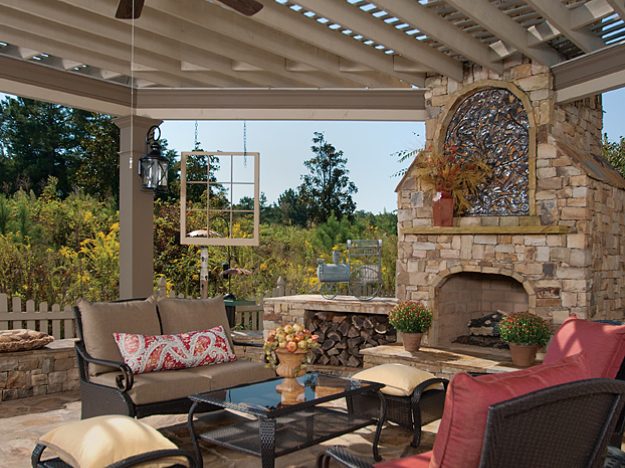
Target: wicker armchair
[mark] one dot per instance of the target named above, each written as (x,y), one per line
(409,412)
(567,425)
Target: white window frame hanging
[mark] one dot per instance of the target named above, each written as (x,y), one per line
(184,237)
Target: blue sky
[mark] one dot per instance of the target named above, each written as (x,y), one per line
(368,146)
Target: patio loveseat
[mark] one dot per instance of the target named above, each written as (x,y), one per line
(108,384)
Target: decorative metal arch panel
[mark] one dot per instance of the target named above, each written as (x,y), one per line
(493,124)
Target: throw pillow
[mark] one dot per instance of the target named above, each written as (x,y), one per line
(101,441)
(400,380)
(460,435)
(144,353)
(604,345)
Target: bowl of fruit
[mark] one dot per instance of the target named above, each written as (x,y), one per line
(288,347)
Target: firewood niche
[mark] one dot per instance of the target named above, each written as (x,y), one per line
(343,335)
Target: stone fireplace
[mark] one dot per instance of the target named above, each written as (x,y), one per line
(544,233)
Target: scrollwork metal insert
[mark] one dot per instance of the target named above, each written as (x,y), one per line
(493,124)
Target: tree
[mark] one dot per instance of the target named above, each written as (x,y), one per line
(328,188)
(97,166)
(292,210)
(615,153)
(38,140)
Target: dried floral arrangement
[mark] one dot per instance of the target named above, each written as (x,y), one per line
(447,171)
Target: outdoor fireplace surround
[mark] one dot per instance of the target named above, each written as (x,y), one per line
(543,235)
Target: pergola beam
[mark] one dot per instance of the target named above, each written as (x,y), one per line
(441,30)
(227,23)
(501,25)
(350,16)
(297,25)
(560,16)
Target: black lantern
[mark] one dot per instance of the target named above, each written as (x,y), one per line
(153,166)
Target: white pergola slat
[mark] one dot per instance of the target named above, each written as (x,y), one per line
(310,44)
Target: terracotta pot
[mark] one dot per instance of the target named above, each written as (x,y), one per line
(443,210)
(523,355)
(288,363)
(412,341)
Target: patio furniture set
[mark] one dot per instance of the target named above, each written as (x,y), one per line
(564,412)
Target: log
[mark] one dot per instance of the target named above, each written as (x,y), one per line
(357,321)
(381,328)
(353,342)
(333,335)
(323,316)
(353,332)
(344,357)
(341,344)
(355,351)
(344,328)
(333,352)
(312,326)
(323,360)
(368,323)
(334,361)
(339,318)
(327,344)
(325,326)
(353,361)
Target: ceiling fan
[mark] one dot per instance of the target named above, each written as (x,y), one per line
(245,7)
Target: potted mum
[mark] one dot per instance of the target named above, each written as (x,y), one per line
(287,347)
(412,319)
(524,333)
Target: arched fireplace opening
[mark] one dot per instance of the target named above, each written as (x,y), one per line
(468,295)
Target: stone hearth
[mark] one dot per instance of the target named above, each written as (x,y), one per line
(544,233)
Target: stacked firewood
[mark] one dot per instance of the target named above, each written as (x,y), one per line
(342,336)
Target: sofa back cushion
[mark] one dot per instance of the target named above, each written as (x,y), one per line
(460,435)
(604,345)
(187,315)
(101,319)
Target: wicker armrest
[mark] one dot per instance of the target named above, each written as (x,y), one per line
(125,463)
(342,456)
(124,381)
(419,389)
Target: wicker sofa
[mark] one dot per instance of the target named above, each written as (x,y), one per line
(108,385)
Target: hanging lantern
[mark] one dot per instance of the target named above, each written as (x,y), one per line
(153,166)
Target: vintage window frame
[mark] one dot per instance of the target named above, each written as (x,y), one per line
(247,241)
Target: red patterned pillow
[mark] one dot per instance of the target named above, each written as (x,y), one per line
(145,353)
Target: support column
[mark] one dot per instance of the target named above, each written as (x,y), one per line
(136,212)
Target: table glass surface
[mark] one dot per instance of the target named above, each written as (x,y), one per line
(264,397)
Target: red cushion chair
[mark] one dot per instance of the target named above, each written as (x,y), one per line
(604,345)
(537,429)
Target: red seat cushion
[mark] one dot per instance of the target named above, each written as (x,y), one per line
(461,432)
(422,460)
(604,345)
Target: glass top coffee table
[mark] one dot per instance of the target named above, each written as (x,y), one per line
(287,420)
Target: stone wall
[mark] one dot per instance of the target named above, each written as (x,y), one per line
(566,254)
(52,369)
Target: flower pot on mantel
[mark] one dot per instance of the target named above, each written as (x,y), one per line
(443,209)
(523,355)
(412,341)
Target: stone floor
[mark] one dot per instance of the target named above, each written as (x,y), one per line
(23,421)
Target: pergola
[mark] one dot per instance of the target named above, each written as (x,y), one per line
(305,60)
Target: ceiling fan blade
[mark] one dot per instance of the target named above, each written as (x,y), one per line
(245,7)
(124,10)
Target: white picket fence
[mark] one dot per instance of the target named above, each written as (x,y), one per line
(60,323)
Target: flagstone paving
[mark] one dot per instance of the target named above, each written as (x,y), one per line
(23,421)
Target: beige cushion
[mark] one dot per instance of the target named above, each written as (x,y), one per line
(400,380)
(154,387)
(186,315)
(100,320)
(229,374)
(103,440)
